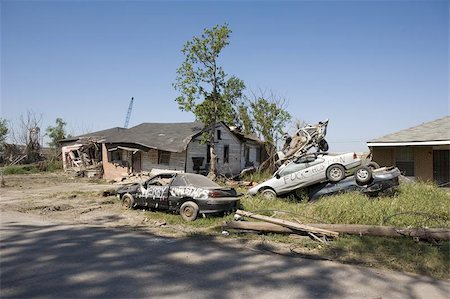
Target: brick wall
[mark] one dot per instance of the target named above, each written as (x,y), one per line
(111,171)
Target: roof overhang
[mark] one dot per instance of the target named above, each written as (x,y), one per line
(129,149)
(408,143)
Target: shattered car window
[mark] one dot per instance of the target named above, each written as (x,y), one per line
(200,181)
(179,181)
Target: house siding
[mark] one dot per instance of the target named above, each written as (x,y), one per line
(384,156)
(197,149)
(234,147)
(150,161)
(253,155)
(423,160)
(423,163)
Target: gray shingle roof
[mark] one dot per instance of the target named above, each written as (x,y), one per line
(173,137)
(436,130)
(99,135)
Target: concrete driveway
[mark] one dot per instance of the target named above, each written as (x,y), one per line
(44,259)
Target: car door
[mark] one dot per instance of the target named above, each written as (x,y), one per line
(304,172)
(155,192)
(315,172)
(293,176)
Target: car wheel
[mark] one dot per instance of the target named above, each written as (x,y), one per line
(189,211)
(335,173)
(268,194)
(323,145)
(128,201)
(373,165)
(363,175)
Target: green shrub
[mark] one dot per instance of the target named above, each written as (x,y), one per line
(48,166)
(20,169)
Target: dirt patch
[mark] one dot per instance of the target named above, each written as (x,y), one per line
(66,199)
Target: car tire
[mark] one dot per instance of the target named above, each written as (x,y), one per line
(373,165)
(335,173)
(363,175)
(268,193)
(128,201)
(189,211)
(323,145)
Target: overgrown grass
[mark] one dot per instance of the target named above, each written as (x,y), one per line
(45,166)
(399,254)
(414,205)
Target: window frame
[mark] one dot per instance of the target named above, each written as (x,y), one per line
(163,157)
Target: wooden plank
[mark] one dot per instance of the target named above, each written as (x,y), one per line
(288,224)
(351,229)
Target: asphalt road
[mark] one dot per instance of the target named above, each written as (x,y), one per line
(42,259)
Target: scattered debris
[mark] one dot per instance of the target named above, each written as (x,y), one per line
(90,209)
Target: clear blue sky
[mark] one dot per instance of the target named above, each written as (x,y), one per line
(371,67)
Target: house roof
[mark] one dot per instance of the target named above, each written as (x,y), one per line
(97,136)
(172,137)
(436,132)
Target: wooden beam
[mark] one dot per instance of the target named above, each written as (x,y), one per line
(351,229)
(289,224)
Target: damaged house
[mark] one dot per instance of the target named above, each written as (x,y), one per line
(168,146)
(84,152)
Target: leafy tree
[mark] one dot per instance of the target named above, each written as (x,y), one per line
(3,131)
(205,89)
(56,133)
(269,118)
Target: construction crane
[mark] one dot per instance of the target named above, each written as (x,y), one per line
(130,107)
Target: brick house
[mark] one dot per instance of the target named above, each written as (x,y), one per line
(421,152)
(173,146)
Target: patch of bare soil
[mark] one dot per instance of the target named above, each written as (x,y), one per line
(66,199)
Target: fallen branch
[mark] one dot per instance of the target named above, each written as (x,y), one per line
(292,225)
(351,229)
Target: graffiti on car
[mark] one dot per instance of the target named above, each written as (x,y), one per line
(311,171)
(153,191)
(189,191)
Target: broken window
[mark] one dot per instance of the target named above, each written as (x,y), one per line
(163,157)
(226,153)
(219,135)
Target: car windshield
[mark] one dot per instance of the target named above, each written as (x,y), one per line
(199,180)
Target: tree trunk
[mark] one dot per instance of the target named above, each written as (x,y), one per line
(289,224)
(350,229)
(213,163)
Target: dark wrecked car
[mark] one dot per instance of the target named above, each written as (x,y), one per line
(372,182)
(188,194)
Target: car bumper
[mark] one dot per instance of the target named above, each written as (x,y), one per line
(209,206)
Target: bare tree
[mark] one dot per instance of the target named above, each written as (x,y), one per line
(28,134)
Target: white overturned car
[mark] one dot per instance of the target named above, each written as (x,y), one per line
(308,170)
